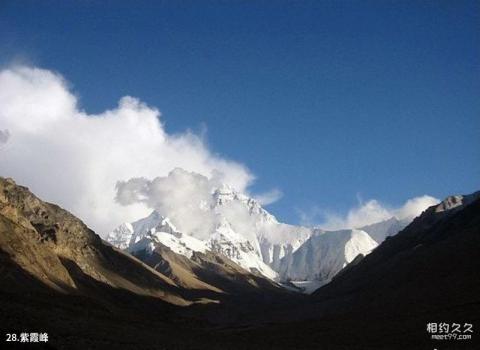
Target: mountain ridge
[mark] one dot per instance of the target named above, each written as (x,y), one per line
(260,243)
(88,294)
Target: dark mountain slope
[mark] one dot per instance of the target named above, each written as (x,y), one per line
(433,263)
(59,250)
(212,275)
(57,276)
(427,273)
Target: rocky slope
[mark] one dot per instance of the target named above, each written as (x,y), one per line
(212,275)
(57,249)
(427,273)
(58,276)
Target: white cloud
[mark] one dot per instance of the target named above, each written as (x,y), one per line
(4,136)
(413,207)
(181,195)
(186,198)
(269,197)
(367,213)
(75,159)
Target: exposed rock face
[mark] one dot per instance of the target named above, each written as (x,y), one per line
(218,277)
(59,250)
(99,297)
(56,248)
(456,202)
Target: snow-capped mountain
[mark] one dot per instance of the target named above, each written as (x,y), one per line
(229,243)
(177,242)
(225,195)
(256,241)
(279,241)
(146,232)
(272,240)
(324,254)
(383,229)
(127,234)
(251,237)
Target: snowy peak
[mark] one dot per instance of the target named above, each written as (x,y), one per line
(177,242)
(324,254)
(155,229)
(359,243)
(121,236)
(225,195)
(227,242)
(129,233)
(144,225)
(381,230)
(145,233)
(279,241)
(238,228)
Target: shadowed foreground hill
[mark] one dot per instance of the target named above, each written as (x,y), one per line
(429,272)
(60,252)
(58,276)
(433,263)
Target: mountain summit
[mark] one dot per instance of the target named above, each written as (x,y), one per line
(248,235)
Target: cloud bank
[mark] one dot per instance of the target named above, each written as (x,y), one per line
(4,136)
(186,198)
(181,195)
(75,159)
(269,197)
(369,212)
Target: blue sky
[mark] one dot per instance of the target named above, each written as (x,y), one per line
(325,100)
